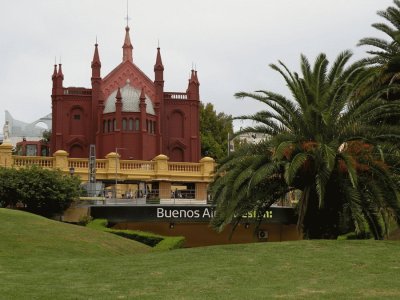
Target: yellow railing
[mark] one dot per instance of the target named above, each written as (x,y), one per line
(184,167)
(112,168)
(137,165)
(82,163)
(23,161)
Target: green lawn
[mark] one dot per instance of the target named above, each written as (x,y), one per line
(73,265)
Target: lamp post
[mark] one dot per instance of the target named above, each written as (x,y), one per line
(71,171)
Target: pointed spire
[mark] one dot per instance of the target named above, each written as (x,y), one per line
(142,96)
(127,47)
(96,57)
(193,86)
(60,73)
(159,65)
(55,71)
(192,77)
(96,63)
(118,96)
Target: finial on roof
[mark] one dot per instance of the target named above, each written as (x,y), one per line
(127,14)
(60,73)
(127,47)
(159,65)
(55,70)
(96,58)
(142,96)
(118,96)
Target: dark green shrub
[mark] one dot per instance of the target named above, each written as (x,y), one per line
(139,236)
(84,220)
(170,243)
(37,190)
(99,224)
(158,242)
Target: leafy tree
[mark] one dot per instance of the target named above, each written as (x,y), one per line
(41,191)
(322,143)
(46,136)
(9,183)
(214,130)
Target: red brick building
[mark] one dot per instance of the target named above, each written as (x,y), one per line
(126,111)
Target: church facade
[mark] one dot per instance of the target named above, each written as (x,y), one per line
(126,112)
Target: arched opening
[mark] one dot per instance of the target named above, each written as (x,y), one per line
(137,124)
(76,151)
(76,121)
(177,154)
(124,124)
(130,124)
(176,124)
(105,127)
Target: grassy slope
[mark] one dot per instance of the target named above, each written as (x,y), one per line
(29,235)
(290,270)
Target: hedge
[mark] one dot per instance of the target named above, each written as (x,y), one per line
(158,242)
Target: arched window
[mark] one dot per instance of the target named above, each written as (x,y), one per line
(151,127)
(76,151)
(137,124)
(105,128)
(130,124)
(177,154)
(123,124)
(176,124)
(109,126)
(115,124)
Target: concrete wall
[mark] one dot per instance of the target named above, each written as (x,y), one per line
(201,234)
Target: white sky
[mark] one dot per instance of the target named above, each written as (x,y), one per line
(232,42)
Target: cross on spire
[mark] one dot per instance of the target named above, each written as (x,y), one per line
(127,13)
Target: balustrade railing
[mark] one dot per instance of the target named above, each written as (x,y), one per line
(175,96)
(101,164)
(184,167)
(78,163)
(23,161)
(137,165)
(112,167)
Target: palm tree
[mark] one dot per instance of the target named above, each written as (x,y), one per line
(386,54)
(322,143)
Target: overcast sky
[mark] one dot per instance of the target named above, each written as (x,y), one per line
(232,42)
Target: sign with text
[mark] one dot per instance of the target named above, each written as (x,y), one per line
(192,213)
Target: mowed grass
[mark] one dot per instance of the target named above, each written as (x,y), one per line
(288,270)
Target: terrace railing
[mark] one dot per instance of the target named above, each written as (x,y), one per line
(112,168)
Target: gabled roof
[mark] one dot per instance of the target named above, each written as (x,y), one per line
(127,70)
(130,98)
